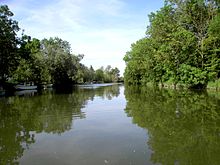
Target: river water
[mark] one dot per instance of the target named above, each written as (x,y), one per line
(110,124)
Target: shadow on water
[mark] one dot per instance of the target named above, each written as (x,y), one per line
(183,126)
(22,117)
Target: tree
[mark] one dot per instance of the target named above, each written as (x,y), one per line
(91,73)
(138,63)
(115,74)
(8,43)
(23,73)
(99,75)
(32,63)
(62,64)
(107,74)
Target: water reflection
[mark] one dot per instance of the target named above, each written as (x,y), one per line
(26,93)
(183,127)
(21,118)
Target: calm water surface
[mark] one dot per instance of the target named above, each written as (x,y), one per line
(98,125)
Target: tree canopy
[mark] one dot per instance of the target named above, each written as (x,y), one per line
(8,42)
(181,46)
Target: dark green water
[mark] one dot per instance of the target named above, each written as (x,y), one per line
(110,125)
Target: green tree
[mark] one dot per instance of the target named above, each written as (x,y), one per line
(99,75)
(138,62)
(23,73)
(62,64)
(115,73)
(32,63)
(8,43)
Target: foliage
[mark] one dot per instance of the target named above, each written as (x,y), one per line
(192,76)
(181,45)
(107,75)
(62,64)
(8,43)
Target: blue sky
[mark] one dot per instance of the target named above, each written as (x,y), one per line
(103,30)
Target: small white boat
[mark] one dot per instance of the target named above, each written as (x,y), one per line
(25,87)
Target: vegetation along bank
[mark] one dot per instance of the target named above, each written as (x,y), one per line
(181,46)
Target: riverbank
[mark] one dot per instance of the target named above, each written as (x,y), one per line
(212,86)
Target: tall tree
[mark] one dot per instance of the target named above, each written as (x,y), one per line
(62,64)
(8,43)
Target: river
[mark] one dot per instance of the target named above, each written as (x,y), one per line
(110,124)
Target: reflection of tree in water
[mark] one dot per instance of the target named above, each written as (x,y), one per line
(108,91)
(184,127)
(22,117)
(13,135)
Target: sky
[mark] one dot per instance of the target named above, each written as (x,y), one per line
(102,30)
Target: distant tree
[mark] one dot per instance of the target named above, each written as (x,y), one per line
(115,74)
(99,75)
(91,73)
(108,74)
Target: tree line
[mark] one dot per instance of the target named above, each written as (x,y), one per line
(181,46)
(26,59)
